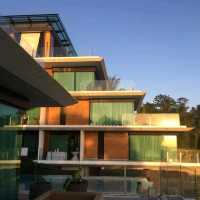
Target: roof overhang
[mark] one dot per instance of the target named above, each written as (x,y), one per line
(40,22)
(23,82)
(81,61)
(136,95)
(135,130)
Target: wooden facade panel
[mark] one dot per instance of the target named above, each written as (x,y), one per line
(53,115)
(49,71)
(47,51)
(91,145)
(77,114)
(116,146)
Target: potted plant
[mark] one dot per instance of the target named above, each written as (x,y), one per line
(76,183)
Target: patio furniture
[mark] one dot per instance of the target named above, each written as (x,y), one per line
(56,155)
(75,155)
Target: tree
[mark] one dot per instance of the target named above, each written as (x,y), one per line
(182,108)
(112,83)
(182,104)
(148,108)
(164,103)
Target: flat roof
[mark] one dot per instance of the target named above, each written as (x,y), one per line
(79,61)
(53,20)
(136,95)
(23,82)
(135,130)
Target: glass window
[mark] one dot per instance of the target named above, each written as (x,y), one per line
(10,144)
(9,115)
(58,142)
(30,41)
(64,143)
(75,81)
(66,79)
(9,182)
(110,113)
(84,80)
(152,148)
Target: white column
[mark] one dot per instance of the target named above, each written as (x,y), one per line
(82,144)
(41,144)
(43,112)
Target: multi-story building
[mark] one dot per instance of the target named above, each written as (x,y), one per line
(19,91)
(104,127)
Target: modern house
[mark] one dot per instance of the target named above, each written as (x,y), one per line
(104,127)
(21,88)
(104,124)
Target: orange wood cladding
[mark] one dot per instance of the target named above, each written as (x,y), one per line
(77,114)
(53,115)
(49,71)
(91,145)
(47,43)
(116,146)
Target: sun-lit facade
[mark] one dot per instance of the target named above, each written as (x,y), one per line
(106,114)
(104,127)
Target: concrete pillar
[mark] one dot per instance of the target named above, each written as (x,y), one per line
(43,114)
(82,144)
(41,144)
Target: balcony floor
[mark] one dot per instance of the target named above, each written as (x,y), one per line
(114,163)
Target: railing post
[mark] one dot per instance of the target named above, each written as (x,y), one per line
(10,120)
(197,157)
(41,145)
(167,156)
(167,179)
(28,120)
(82,144)
(125,180)
(180,157)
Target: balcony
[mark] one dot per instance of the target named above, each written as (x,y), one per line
(152,120)
(166,120)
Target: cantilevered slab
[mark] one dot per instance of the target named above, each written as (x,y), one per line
(137,130)
(135,95)
(115,163)
(23,82)
(81,61)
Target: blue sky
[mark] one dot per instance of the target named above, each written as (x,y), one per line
(154,43)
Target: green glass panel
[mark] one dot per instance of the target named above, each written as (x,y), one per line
(152,148)
(84,80)
(59,142)
(9,115)
(10,145)
(33,115)
(66,79)
(110,113)
(8,182)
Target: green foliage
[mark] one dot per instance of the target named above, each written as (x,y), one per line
(164,103)
(76,178)
(112,83)
(188,116)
